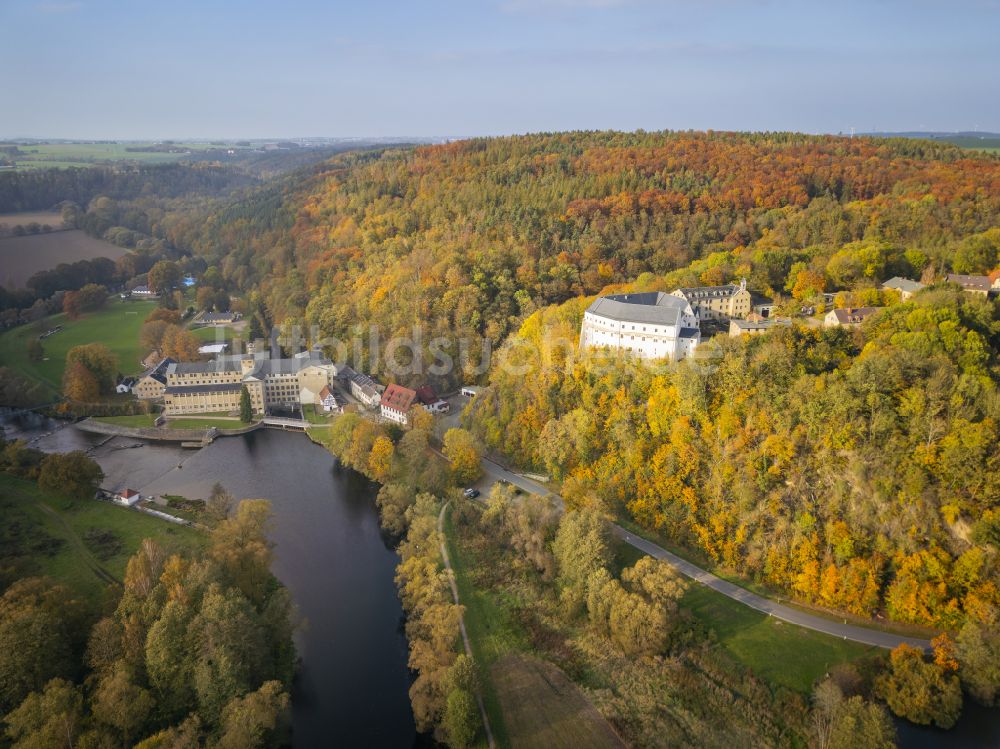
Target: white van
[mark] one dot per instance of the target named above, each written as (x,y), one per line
(470,391)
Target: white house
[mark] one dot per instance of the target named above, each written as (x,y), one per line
(218,318)
(366,390)
(396,403)
(328,400)
(128,497)
(125,385)
(851,317)
(651,325)
(439,406)
(972,284)
(757,326)
(144,291)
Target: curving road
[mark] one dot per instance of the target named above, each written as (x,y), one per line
(495,472)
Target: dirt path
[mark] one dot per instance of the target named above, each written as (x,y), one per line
(461,622)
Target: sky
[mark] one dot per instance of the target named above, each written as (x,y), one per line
(143,69)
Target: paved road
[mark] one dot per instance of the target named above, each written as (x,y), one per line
(495,472)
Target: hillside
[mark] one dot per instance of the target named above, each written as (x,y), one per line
(853,470)
(473,236)
(855,473)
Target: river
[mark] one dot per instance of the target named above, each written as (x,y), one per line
(352,688)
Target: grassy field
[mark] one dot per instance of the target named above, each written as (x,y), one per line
(211,334)
(530,703)
(22,257)
(316,415)
(138,420)
(27,511)
(117,327)
(781,653)
(491,634)
(204,422)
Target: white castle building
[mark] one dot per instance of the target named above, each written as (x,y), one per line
(652,325)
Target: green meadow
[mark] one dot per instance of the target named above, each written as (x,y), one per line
(83,544)
(117,327)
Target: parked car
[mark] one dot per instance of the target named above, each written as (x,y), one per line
(471,493)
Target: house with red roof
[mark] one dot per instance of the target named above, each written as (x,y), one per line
(396,403)
(128,497)
(426,395)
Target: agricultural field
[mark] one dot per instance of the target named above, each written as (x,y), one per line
(117,327)
(21,257)
(543,708)
(982,143)
(50,218)
(64,155)
(82,544)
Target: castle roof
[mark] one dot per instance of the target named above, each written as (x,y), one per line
(654,307)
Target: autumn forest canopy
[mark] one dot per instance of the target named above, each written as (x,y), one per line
(472,237)
(855,471)
(852,469)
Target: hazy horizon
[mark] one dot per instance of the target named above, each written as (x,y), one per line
(445,138)
(111,70)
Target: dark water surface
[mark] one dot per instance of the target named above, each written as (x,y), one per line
(352,689)
(977,728)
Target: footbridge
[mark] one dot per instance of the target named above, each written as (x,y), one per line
(281,422)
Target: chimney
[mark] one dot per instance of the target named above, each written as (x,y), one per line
(743,284)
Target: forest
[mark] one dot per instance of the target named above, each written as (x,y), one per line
(471,237)
(857,472)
